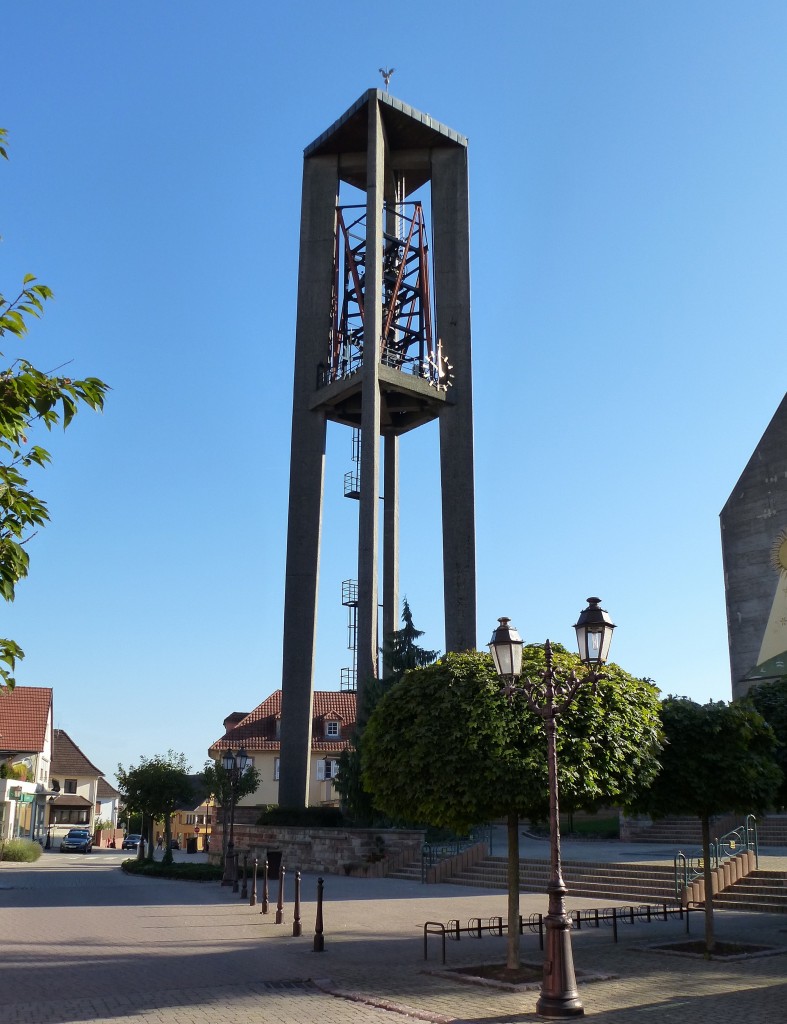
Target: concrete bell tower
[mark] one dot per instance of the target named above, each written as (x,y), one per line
(382,345)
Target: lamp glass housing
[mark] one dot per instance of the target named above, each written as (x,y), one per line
(506,649)
(594,633)
(228,761)
(242,761)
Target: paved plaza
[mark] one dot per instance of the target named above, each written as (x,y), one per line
(82,941)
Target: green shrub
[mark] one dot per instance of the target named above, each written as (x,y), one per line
(20,850)
(303,817)
(183,872)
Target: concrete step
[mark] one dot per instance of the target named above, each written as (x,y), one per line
(761,890)
(629,883)
(682,831)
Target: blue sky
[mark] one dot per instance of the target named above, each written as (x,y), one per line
(629,227)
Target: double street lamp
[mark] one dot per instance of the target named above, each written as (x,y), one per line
(548,695)
(235,766)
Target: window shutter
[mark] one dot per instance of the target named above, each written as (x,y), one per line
(320,771)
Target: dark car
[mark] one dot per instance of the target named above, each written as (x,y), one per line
(131,842)
(76,840)
(174,844)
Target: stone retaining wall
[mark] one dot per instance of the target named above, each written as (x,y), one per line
(336,851)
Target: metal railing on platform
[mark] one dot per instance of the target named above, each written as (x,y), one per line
(434,853)
(691,866)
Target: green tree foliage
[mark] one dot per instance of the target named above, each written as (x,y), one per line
(217,781)
(29,399)
(401,652)
(445,746)
(717,758)
(770,699)
(154,788)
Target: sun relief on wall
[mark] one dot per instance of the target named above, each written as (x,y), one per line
(772,660)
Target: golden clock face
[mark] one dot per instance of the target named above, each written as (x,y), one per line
(779,553)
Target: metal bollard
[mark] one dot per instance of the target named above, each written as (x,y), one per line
(280,904)
(296,920)
(264,907)
(319,941)
(244,891)
(253,897)
(235,859)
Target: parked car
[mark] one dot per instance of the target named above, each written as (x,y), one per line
(174,844)
(131,842)
(76,840)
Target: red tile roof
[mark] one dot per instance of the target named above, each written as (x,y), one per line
(257,731)
(24,715)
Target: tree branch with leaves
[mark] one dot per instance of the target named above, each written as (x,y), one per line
(29,399)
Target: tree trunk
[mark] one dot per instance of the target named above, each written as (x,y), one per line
(167,858)
(710,939)
(512,955)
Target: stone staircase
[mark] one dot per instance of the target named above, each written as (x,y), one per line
(628,883)
(409,872)
(765,891)
(681,832)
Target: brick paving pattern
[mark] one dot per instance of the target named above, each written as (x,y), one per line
(84,942)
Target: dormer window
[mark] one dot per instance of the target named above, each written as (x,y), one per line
(332,730)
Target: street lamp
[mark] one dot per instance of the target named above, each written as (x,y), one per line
(548,696)
(235,766)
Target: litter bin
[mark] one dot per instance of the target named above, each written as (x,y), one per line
(191,844)
(274,863)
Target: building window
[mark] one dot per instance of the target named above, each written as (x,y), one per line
(327,769)
(191,819)
(70,786)
(70,816)
(332,730)
(276,764)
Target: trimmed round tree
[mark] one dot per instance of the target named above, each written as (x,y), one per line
(717,758)
(447,747)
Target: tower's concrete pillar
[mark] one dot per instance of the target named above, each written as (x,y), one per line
(315,282)
(451,238)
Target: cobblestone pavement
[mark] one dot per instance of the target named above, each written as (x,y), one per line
(84,942)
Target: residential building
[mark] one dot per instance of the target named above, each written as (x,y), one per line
(195,818)
(107,803)
(26,744)
(75,779)
(259,731)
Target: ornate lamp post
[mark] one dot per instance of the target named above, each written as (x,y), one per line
(235,766)
(548,696)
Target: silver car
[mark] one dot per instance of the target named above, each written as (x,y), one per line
(76,840)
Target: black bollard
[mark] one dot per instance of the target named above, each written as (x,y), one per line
(235,859)
(244,891)
(296,919)
(264,907)
(253,897)
(319,941)
(280,904)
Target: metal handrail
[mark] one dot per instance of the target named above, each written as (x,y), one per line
(691,865)
(433,853)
